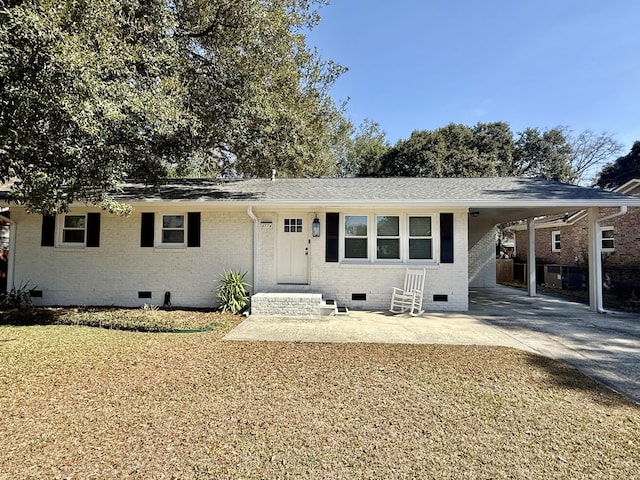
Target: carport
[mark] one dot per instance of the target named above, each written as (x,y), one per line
(531,200)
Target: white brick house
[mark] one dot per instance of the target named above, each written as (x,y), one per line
(181,237)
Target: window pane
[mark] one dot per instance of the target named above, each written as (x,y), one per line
(355,248)
(388,248)
(388,226)
(608,244)
(173,221)
(74,221)
(607,233)
(355,226)
(420,249)
(173,236)
(73,236)
(419,226)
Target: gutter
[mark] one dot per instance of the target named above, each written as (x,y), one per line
(622,211)
(13,226)
(255,246)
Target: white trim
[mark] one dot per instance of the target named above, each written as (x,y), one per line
(554,241)
(608,239)
(159,229)
(13,227)
(531,260)
(256,221)
(61,228)
(372,238)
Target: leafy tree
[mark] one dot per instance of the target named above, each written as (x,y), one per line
(418,156)
(452,151)
(488,149)
(542,154)
(625,168)
(494,142)
(365,148)
(94,91)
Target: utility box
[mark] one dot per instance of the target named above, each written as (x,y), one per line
(563,277)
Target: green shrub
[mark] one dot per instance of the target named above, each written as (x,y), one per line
(233,294)
(19,297)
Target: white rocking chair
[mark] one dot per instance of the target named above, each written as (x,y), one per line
(409,298)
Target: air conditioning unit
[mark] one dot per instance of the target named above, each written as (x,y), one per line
(563,277)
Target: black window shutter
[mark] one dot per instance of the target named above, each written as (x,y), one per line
(93,230)
(193,229)
(446,238)
(146,230)
(332,229)
(47,239)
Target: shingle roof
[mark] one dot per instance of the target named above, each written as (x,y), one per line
(362,191)
(479,192)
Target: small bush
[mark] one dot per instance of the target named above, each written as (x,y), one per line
(233,294)
(19,297)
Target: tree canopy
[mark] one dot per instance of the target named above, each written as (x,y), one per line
(487,149)
(492,149)
(95,91)
(623,169)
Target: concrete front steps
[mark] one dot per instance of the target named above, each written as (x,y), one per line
(294,304)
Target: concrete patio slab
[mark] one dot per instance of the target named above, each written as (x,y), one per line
(374,327)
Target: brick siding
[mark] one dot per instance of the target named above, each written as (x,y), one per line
(574,241)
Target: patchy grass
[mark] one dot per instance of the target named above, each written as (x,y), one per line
(79,402)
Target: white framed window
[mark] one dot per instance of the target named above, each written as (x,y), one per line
(74,230)
(388,237)
(555,241)
(608,239)
(420,238)
(356,237)
(173,230)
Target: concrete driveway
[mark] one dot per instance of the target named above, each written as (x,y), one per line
(606,347)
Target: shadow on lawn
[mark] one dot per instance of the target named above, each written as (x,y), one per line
(177,320)
(568,377)
(28,316)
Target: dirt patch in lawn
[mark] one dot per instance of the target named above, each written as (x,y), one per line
(80,402)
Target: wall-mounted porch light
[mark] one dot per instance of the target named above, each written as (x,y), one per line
(315,227)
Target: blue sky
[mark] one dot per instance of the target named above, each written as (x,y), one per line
(421,64)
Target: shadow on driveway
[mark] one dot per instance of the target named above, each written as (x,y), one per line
(605,347)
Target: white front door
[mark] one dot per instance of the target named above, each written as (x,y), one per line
(293,249)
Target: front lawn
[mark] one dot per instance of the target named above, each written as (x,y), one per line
(86,402)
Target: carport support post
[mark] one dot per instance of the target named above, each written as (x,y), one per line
(595,261)
(531,260)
